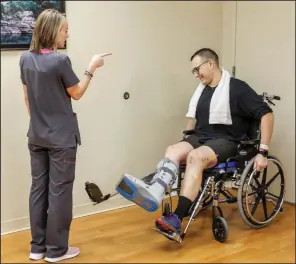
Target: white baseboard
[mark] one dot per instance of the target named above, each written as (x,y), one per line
(14,225)
(117,202)
(21,224)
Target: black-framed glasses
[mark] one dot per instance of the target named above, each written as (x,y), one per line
(196,69)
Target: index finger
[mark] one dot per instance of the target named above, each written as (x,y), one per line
(106,54)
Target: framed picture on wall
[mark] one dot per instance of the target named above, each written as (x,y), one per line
(18,20)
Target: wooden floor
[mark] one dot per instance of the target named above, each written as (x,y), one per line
(126,236)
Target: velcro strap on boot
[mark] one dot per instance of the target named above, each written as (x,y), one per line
(161,182)
(170,172)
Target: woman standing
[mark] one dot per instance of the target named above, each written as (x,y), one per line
(49,83)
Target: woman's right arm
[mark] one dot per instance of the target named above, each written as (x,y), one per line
(77,90)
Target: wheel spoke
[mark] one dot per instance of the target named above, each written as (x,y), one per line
(256,204)
(264,176)
(258,183)
(252,193)
(272,179)
(264,206)
(253,187)
(271,194)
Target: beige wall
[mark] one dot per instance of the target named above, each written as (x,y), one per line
(228,34)
(264,56)
(151,44)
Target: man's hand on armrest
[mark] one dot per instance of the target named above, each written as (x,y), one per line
(188,132)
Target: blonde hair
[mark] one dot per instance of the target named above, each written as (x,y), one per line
(47,27)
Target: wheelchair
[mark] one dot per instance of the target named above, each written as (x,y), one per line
(236,172)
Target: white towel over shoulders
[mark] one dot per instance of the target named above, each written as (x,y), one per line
(219,106)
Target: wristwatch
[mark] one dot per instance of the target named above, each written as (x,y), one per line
(263,152)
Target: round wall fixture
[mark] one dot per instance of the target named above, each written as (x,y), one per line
(126,95)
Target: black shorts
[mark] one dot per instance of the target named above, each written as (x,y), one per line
(223,148)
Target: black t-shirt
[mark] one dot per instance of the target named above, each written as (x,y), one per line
(245,106)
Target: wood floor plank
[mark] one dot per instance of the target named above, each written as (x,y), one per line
(126,236)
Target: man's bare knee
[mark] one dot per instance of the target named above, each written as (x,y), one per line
(178,151)
(203,157)
(197,160)
(170,150)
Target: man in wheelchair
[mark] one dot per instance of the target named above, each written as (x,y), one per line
(220,112)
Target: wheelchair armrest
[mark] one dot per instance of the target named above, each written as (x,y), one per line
(234,158)
(188,132)
(250,142)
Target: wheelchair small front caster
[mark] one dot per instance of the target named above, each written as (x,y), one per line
(220,229)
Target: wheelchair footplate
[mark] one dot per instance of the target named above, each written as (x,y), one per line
(174,236)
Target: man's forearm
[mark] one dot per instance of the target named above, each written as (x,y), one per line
(266,128)
(190,124)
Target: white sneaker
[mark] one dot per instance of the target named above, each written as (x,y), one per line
(71,253)
(36,256)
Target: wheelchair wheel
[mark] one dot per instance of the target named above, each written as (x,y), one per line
(220,229)
(256,189)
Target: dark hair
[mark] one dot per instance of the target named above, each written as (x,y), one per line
(208,54)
